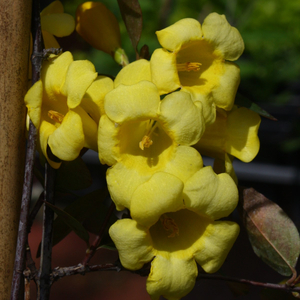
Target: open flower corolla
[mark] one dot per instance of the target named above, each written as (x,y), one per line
(140,135)
(54,106)
(175,227)
(198,59)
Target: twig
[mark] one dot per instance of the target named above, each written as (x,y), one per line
(90,252)
(30,154)
(282,287)
(46,247)
(59,273)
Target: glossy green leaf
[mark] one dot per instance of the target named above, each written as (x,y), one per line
(132,16)
(272,234)
(241,100)
(73,223)
(73,175)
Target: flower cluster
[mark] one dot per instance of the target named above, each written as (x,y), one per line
(151,125)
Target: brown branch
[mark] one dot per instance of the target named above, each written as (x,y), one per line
(90,252)
(59,273)
(30,154)
(46,247)
(276,286)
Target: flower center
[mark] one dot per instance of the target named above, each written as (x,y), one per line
(188,66)
(56,116)
(169,225)
(146,141)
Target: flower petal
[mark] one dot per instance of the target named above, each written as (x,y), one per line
(142,102)
(133,243)
(93,101)
(242,139)
(187,157)
(90,129)
(68,139)
(160,194)
(49,40)
(98,26)
(80,75)
(54,7)
(54,72)
(108,141)
(224,93)
(164,71)
(182,118)
(133,73)
(59,24)
(225,38)
(213,195)
(45,130)
(215,244)
(207,102)
(173,37)
(171,277)
(33,100)
(122,183)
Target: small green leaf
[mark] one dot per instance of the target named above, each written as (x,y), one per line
(132,16)
(241,100)
(74,224)
(272,234)
(73,175)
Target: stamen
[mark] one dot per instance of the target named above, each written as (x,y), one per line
(146,141)
(169,225)
(56,116)
(188,66)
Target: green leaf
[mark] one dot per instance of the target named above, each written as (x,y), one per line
(73,175)
(132,16)
(241,100)
(80,209)
(70,221)
(272,234)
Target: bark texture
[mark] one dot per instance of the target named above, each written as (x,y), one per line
(15,21)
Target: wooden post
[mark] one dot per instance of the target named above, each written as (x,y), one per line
(15,21)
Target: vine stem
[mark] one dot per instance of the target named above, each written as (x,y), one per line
(81,269)
(91,251)
(44,285)
(30,155)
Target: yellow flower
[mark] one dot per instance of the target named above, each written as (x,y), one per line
(54,106)
(174,227)
(199,60)
(55,22)
(99,27)
(141,135)
(233,132)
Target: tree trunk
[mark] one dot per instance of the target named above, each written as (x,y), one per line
(15,21)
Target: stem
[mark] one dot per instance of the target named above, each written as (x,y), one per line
(90,253)
(275,286)
(46,247)
(59,273)
(30,154)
